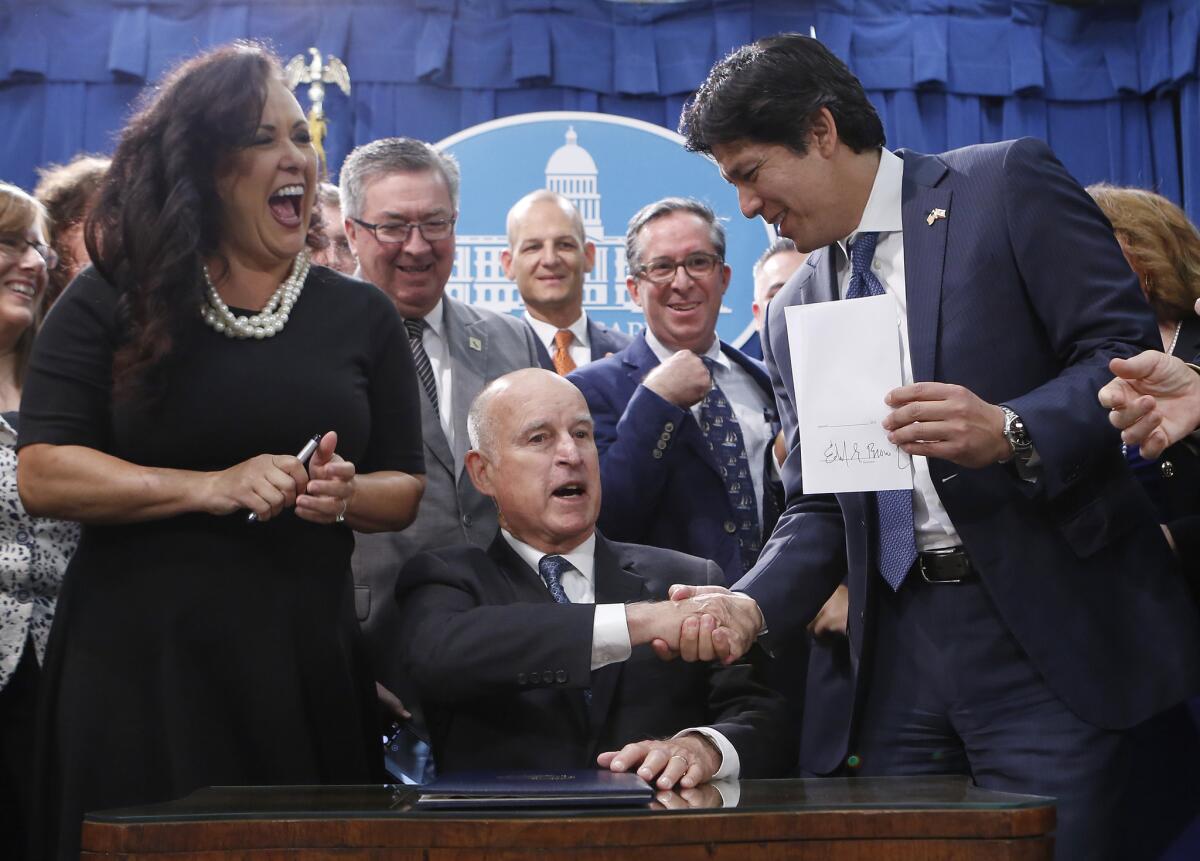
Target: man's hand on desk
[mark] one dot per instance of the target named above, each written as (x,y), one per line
(720,625)
(687,760)
(948,422)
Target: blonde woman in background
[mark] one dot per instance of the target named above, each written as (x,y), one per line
(33,551)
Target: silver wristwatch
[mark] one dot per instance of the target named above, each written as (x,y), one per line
(1016,434)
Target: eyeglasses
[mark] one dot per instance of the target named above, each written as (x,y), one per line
(698,264)
(397,232)
(13,245)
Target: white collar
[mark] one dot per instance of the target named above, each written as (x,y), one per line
(582,558)
(436,319)
(663,352)
(546,331)
(882,214)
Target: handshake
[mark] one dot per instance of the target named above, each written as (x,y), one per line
(698,623)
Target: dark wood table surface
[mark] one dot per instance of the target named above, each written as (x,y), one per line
(840,819)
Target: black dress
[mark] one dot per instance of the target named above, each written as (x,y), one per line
(202,650)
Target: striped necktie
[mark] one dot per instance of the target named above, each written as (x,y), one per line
(416,328)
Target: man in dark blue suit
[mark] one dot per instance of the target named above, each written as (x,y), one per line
(1019,608)
(548,256)
(684,422)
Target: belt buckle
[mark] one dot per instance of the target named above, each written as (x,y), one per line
(943,552)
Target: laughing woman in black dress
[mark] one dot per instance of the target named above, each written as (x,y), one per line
(190,647)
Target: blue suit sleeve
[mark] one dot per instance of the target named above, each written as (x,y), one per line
(805,558)
(1086,297)
(633,469)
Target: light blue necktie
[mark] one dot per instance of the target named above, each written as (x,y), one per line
(897,541)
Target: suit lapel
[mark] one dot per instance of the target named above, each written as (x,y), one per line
(527,584)
(467,341)
(597,343)
(924,255)
(615,584)
(822,286)
(435,437)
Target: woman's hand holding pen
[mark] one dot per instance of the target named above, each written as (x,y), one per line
(264,485)
(330,488)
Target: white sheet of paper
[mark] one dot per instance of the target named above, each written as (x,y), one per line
(845,358)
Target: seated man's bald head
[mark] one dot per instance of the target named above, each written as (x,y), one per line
(533,452)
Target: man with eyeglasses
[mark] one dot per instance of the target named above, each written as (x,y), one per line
(400,201)
(548,256)
(684,422)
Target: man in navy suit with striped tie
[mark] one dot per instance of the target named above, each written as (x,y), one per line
(684,422)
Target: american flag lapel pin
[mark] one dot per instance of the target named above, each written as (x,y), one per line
(934,215)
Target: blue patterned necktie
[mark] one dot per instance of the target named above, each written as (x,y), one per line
(897,541)
(552,568)
(723,433)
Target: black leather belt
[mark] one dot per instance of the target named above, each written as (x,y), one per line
(948,565)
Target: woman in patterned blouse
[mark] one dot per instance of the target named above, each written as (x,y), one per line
(33,551)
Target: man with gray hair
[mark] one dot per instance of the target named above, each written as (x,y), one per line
(548,256)
(400,202)
(684,422)
(542,651)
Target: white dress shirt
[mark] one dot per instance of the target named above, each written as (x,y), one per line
(580,350)
(752,406)
(882,215)
(437,347)
(610,629)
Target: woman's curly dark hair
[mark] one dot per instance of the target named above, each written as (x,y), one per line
(158,214)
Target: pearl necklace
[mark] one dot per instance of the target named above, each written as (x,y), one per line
(1174,339)
(267,322)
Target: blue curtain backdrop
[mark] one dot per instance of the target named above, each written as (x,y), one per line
(1114,90)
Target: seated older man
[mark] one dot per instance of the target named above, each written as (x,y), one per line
(541,652)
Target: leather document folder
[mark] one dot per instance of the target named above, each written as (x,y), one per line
(518,788)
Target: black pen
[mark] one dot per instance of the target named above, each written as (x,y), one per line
(305,454)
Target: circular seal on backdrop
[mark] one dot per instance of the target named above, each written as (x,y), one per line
(609,167)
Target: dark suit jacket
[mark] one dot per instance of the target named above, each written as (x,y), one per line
(482,346)
(670,496)
(1022,296)
(602,341)
(752,346)
(501,668)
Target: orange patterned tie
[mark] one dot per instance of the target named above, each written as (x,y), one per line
(563,363)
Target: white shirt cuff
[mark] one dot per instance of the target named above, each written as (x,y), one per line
(730,791)
(610,636)
(731,764)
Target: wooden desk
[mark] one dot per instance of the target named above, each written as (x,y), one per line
(840,819)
